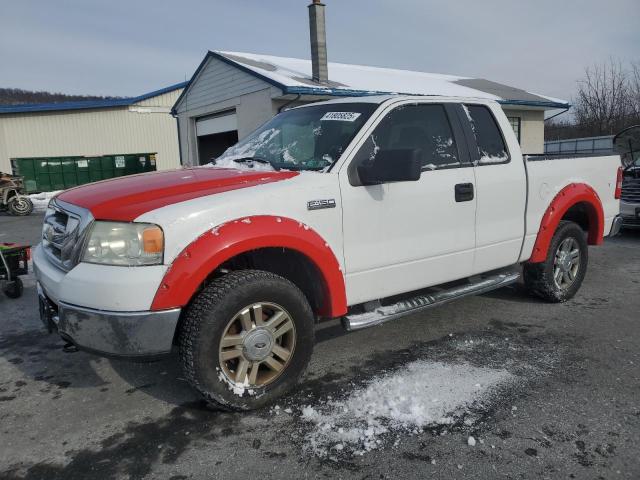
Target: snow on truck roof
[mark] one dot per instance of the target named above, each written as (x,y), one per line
(293,76)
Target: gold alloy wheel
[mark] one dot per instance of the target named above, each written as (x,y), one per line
(257,344)
(566,263)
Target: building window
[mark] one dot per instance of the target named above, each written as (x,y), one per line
(515,124)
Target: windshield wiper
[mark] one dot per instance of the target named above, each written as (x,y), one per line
(256,159)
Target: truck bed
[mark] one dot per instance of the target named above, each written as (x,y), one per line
(548,174)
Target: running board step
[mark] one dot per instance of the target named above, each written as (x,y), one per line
(422,302)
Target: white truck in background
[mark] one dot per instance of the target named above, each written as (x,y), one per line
(366,209)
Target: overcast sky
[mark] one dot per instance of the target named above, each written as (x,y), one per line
(130,47)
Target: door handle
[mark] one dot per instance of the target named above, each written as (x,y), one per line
(464,192)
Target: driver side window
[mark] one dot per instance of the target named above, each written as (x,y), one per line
(421,127)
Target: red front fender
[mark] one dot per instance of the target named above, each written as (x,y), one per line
(196,262)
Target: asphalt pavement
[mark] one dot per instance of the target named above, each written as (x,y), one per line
(574,411)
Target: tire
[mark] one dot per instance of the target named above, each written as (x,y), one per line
(14,288)
(20,206)
(539,277)
(219,312)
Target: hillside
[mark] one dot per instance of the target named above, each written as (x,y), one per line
(16,96)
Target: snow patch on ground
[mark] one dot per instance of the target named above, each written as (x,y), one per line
(418,395)
(41,200)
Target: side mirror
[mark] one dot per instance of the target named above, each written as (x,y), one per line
(402,165)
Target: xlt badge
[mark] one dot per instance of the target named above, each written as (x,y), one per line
(318,204)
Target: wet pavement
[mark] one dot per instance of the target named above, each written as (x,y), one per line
(573,410)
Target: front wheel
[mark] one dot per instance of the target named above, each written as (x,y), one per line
(560,276)
(20,205)
(246,339)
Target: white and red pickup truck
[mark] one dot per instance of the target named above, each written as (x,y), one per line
(366,209)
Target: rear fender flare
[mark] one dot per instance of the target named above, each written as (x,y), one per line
(566,198)
(211,249)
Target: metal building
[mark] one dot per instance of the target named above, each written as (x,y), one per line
(140,125)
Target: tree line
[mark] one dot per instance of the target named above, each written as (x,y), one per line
(607,101)
(17,96)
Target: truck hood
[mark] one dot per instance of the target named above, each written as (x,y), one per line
(126,198)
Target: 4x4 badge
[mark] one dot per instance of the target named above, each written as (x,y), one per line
(319,204)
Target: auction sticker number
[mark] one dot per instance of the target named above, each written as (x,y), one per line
(341,116)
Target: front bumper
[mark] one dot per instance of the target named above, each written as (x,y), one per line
(616,225)
(123,334)
(630,213)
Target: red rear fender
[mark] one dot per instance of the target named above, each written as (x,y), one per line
(571,195)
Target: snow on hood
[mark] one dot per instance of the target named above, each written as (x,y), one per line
(249,166)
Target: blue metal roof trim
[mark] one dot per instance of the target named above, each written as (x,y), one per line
(155,93)
(532,103)
(87,104)
(195,74)
(343,92)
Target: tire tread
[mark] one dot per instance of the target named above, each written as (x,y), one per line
(536,275)
(196,313)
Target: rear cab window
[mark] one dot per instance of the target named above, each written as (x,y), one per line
(492,148)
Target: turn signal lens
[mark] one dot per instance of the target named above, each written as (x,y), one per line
(152,240)
(618,192)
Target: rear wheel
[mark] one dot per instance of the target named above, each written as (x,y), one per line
(560,276)
(20,205)
(14,288)
(246,339)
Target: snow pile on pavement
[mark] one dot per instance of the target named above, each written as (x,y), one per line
(41,200)
(418,395)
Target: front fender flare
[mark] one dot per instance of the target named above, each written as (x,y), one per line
(566,198)
(211,249)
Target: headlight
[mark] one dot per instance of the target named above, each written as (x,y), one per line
(126,244)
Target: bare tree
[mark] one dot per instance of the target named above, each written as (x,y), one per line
(607,101)
(602,101)
(634,91)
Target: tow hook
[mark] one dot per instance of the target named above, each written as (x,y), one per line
(69,348)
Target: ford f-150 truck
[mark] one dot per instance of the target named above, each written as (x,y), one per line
(364,209)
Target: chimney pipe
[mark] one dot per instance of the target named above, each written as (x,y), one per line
(318,36)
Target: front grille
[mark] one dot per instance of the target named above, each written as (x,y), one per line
(630,221)
(63,233)
(631,190)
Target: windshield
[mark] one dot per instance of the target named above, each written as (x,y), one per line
(308,138)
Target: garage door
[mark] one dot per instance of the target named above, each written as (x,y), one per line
(224,122)
(215,134)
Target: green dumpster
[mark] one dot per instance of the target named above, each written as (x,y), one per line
(59,173)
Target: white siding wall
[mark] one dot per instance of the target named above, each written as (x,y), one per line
(93,132)
(217,82)
(531,129)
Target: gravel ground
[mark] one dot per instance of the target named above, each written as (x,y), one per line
(573,412)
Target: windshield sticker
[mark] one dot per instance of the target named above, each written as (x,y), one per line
(341,116)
